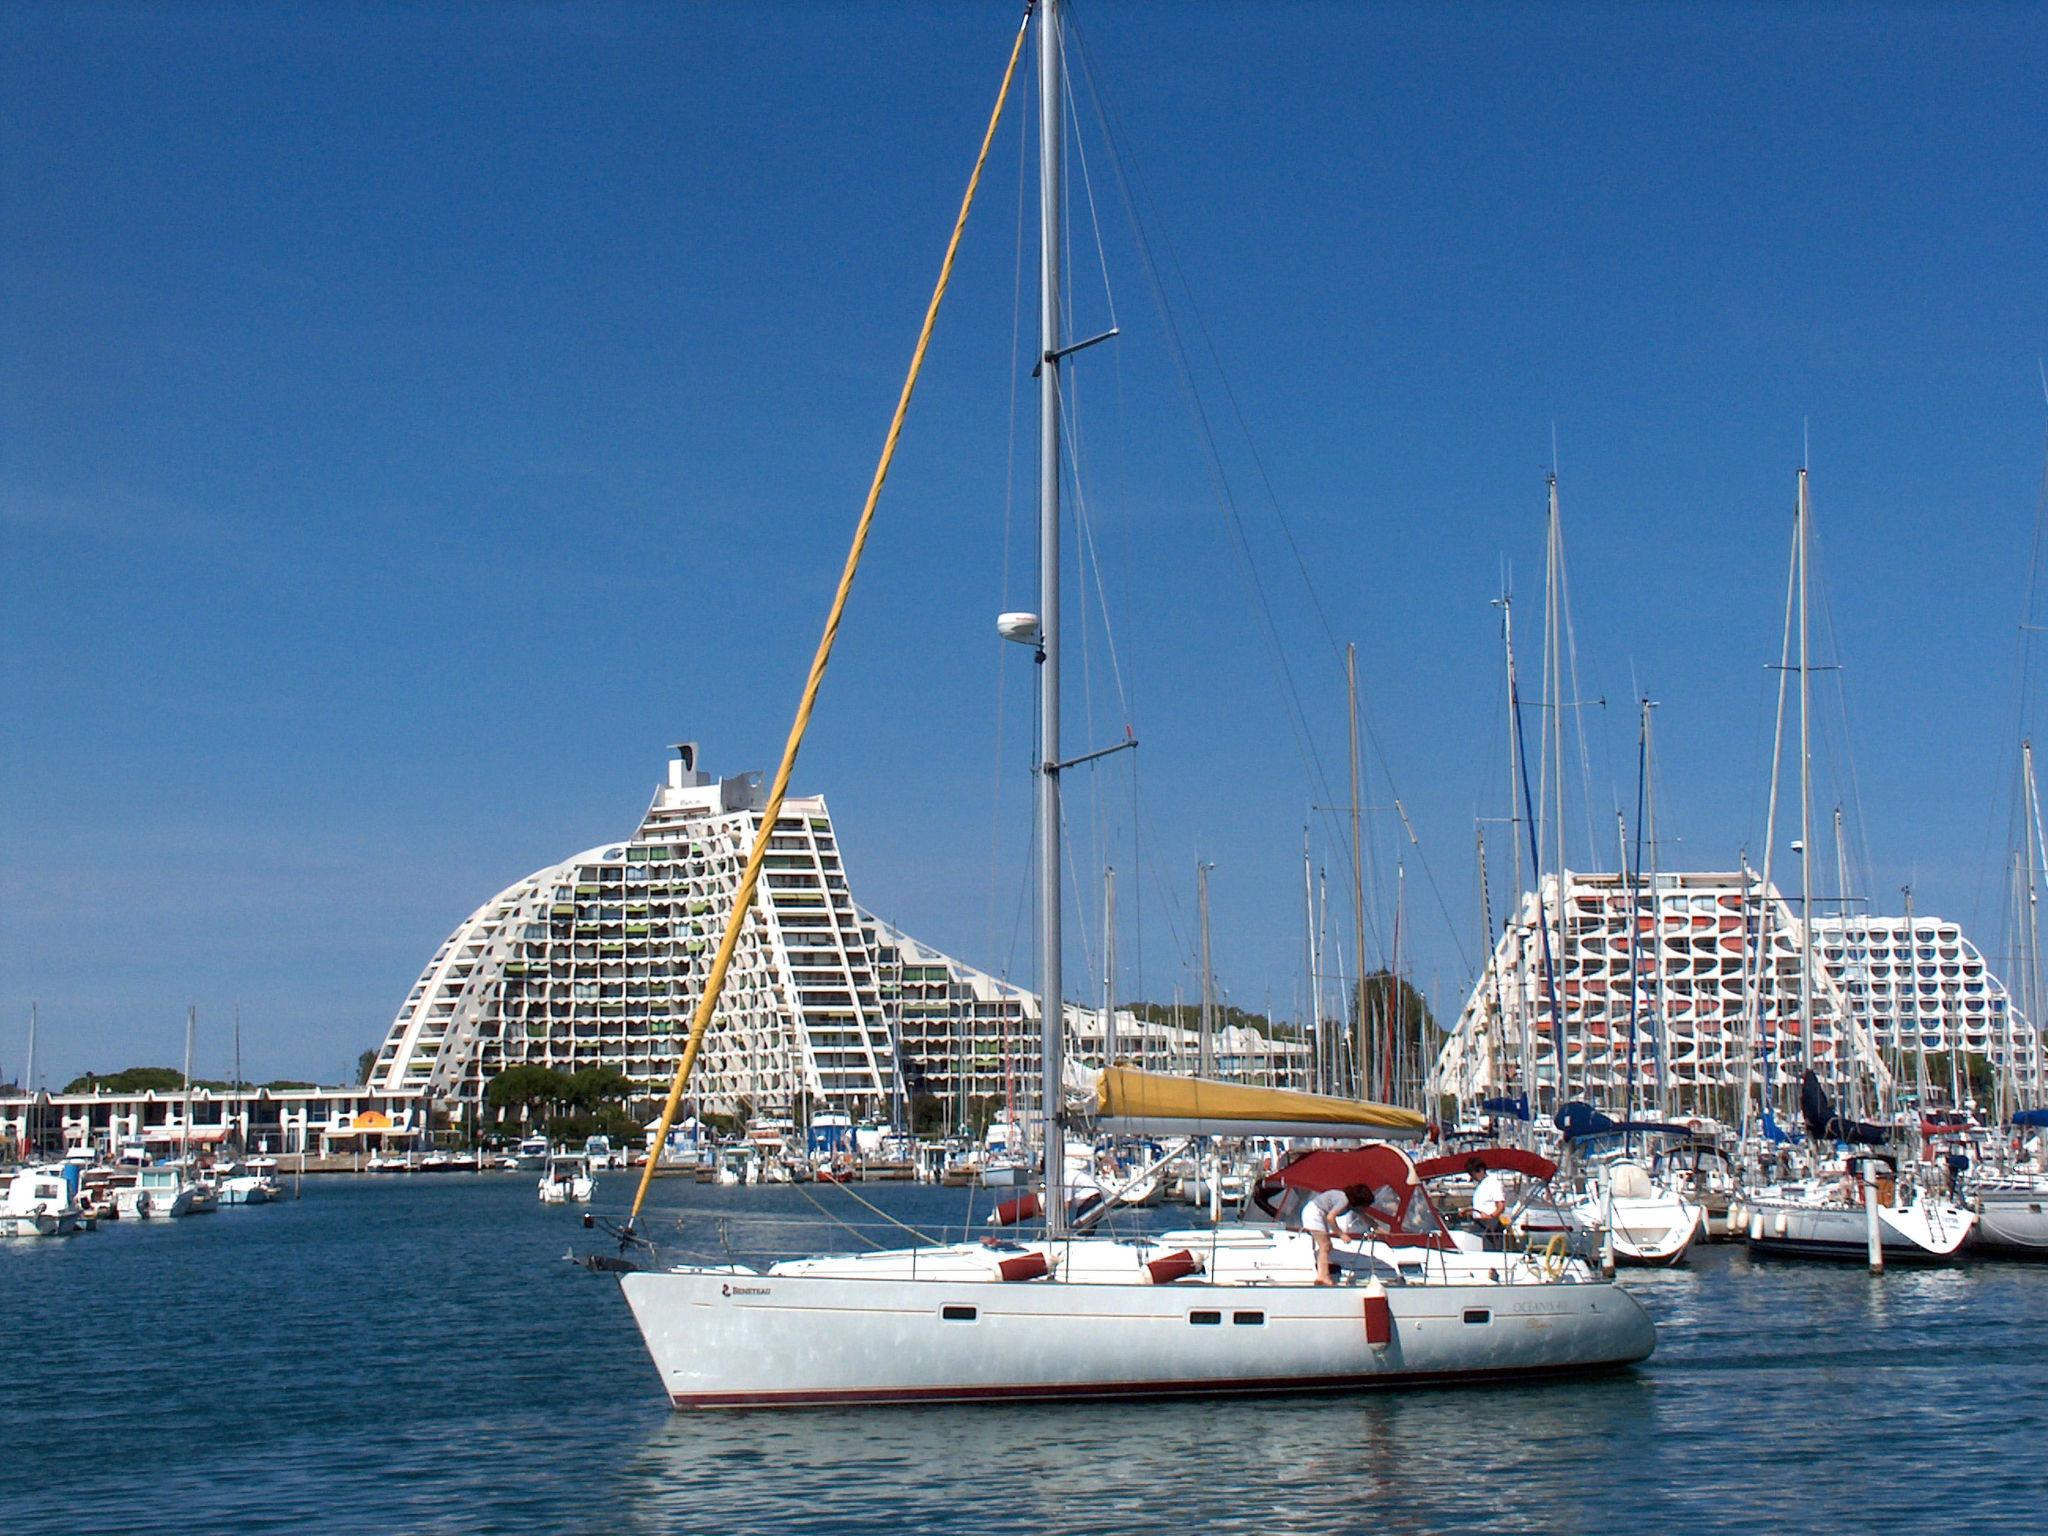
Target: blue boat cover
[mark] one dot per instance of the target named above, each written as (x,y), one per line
(1774,1132)
(1823,1124)
(1518,1106)
(1579,1120)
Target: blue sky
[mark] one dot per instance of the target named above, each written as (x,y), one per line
(416,417)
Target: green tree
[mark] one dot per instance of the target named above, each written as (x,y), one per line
(927,1114)
(527,1092)
(1974,1069)
(365,1065)
(129,1080)
(594,1087)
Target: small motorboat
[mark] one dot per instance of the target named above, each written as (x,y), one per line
(158,1193)
(567,1180)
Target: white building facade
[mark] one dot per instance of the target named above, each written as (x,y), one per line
(599,961)
(1694,978)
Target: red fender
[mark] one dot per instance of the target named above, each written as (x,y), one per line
(1169,1267)
(1025,1266)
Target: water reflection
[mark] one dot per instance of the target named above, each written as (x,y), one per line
(1421,1461)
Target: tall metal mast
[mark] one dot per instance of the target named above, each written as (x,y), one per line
(1362,1049)
(28,1082)
(1051,118)
(1517,776)
(1553,764)
(191,1023)
(1205,1047)
(2030,814)
(1805,809)
(1311,1001)
(1109,966)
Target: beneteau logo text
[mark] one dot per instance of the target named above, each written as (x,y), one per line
(742,1290)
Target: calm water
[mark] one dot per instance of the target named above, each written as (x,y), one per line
(412,1354)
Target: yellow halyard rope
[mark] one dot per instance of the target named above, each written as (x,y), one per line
(749,880)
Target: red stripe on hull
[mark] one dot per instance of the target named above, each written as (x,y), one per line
(1250,1385)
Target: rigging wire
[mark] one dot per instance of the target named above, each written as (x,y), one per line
(1133,194)
(750,878)
(995,832)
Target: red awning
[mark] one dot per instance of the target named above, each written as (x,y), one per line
(1411,1220)
(1496,1159)
(202,1133)
(1380,1167)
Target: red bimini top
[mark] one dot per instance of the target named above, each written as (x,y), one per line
(1401,1213)
(1496,1160)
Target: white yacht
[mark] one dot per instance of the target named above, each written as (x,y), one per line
(531,1156)
(1226,1309)
(160,1191)
(1069,1316)
(39,1203)
(242,1184)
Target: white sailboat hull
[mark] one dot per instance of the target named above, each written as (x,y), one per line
(2014,1221)
(1653,1230)
(733,1339)
(1929,1229)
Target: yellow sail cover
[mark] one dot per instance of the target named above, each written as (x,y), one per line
(1155,1104)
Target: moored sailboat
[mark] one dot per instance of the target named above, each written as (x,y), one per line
(1067,1314)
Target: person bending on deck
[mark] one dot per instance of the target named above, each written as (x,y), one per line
(1334,1210)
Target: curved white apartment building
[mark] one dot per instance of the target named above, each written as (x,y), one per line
(599,960)
(1677,955)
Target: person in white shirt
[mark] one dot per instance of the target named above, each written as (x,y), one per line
(1489,1195)
(1334,1210)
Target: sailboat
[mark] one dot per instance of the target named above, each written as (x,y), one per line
(1862,1208)
(1068,1314)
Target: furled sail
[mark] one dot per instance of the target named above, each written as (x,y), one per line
(1136,1103)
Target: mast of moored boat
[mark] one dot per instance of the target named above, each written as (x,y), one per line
(28,1083)
(191,1021)
(1311,1000)
(1805,807)
(1205,1048)
(2030,814)
(1051,114)
(1660,1016)
(1764,990)
(1109,966)
(1361,1049)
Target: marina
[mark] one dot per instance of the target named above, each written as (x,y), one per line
(468,1380)
(681,1190)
